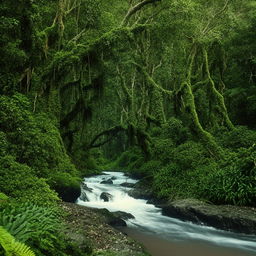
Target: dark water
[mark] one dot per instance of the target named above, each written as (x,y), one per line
(161,235)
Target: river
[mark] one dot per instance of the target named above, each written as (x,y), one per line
(161,235)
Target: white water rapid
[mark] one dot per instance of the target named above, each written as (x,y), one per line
(149,220)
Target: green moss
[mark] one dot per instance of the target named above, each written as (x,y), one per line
(18,181)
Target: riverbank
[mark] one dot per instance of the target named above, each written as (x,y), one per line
(88,227)
(226,217)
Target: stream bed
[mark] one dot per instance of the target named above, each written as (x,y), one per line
(162,235)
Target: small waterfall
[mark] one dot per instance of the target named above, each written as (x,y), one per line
(149,219)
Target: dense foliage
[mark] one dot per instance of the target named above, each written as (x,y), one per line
(159,88)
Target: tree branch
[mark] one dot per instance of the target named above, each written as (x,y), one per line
(151,80)
(135,9)
(109,132)
(215,16)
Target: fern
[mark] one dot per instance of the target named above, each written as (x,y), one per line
(12,247)
(28,221)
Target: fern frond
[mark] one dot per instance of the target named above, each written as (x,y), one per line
(29,221)
(11,246)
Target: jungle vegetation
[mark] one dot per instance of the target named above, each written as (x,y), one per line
(164,89)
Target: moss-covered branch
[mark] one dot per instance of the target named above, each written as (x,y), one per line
(217,95)
(111,133)
(189,100)
(136,8)
(151,80)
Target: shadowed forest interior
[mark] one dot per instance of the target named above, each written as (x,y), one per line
(164,90)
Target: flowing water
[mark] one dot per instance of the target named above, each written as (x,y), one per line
(161,235)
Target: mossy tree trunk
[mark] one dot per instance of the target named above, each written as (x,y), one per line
(219,110)
(190,106)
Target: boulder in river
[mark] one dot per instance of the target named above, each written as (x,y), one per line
(141,191)
(127,185)
(83,196)
(108,181)
(226,217)
(123,215)
(68,192)
(106,197)
(111,218)
(85,187)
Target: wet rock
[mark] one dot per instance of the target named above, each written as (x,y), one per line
(111,218)
(68,193)
(226,217)
(127,185)
(117,222)
(140,193)
(141,190)
(83,196)
(123,215)
(85,187)
(108,181)
(106,197)
(113,178)
(157,202)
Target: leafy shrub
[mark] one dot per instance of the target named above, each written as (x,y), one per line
(230,186)
(241,136)
(175,131)
(169,182)
(136,164)
(32,138)
(170,135)
(38,152)
(3,143)
(144,169)
(17,181)
(162,150)
(150,167)
(127,157)
(189,155)
(231,181)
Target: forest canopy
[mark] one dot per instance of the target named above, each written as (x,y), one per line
(162,89)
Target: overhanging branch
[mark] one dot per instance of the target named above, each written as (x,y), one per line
(135,9)
(111,133)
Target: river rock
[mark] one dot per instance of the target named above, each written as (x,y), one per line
(85,187)
(83,196)
(226,217)
(117,222)
(68,193)
(123,215)
(106,197)
(127,185)
(140,193)
(111,218)
(108,181)
(156,201)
